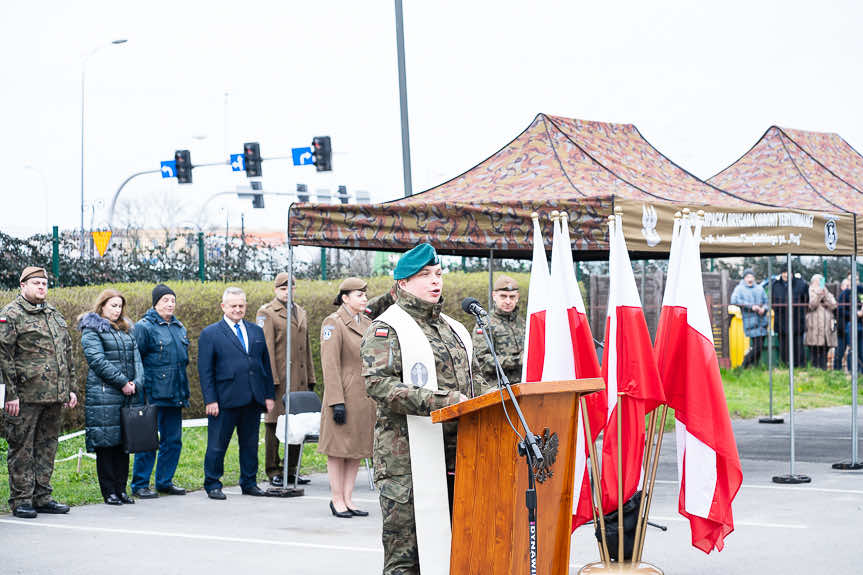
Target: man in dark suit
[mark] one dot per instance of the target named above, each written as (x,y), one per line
(237,385)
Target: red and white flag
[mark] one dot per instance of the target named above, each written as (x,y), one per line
(537,302)
(629,368)
(708,464)
(570,354)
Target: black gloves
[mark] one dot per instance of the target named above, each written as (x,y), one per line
(340,414)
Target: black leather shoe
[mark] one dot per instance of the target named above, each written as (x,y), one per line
(277,481)
(254,491)
(145,493)
(112,499)
(172,490)
(125,499)
(300,481)
(343,514)
(25,511)
(216,494)
(358,512)
(52,507)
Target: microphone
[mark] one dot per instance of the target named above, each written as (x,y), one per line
(471,305)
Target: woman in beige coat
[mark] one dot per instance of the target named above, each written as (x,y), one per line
(348,415)
(820,326)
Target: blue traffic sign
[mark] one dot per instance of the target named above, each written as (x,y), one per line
(302,156)
(169,169)
(238,162)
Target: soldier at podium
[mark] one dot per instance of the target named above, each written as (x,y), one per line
(402,386)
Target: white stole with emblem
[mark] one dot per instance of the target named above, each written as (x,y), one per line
(428,461)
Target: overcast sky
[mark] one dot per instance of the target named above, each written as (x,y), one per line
(702,81)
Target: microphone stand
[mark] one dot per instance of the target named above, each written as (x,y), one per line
(527,448)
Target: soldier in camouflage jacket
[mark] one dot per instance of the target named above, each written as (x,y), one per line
(419,294)
(39,373)
(506,329)
(379,304)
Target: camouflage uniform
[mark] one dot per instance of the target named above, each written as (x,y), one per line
(37,366)
(382,369)
(507,334)
(379,304)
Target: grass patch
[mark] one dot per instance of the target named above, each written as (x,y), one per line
(76,488)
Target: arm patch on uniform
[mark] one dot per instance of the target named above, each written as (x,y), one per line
(382,332)
(479,330)
(327,332)
(2,320)
(261,320)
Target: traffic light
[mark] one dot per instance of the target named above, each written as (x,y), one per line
(183,166)
(322,153)
(302,193)
(252,156)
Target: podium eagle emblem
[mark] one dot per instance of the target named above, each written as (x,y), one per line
(548,444)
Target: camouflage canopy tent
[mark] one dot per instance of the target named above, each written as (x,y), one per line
(587,169)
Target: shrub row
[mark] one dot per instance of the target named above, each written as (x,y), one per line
(198,306)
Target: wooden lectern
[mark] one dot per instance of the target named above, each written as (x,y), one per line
(489,518)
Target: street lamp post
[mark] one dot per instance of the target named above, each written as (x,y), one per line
(83,95)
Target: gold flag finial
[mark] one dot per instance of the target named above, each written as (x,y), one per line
(554,215)
(534,215)
(700,213)
(618,211)
(685,211)
(677,215)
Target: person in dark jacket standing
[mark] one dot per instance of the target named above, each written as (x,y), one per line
(115,379)
(39,374)
(800,301)
(752,301)
(164,347)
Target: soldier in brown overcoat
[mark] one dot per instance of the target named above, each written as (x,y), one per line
(348,415)
(272,317)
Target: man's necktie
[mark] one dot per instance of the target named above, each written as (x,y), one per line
(240,335)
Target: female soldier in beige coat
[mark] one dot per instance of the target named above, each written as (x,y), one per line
(348,415)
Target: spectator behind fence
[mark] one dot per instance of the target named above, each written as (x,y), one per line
(348,414)
(237,386)
(115,379)
(843,316)
(272,317)
(752,301)
(800,297)
(164,347)
(859,307)
(39,373)
(820,325)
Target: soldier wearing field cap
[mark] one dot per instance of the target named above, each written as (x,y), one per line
(272,317)
(39,373)
(415,360)
(506,329)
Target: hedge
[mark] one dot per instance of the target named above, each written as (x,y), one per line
(198,306)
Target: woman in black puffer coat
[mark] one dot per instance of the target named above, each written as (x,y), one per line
(114,380)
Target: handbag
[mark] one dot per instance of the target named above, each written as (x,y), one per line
(140,427)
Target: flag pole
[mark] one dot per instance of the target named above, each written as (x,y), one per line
(620,477)
(640,543)
(642,516)
(595,490)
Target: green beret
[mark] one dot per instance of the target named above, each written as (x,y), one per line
(413,261)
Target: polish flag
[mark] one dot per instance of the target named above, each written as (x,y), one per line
(708,466)
(537,302)
(629,368)
(570,354)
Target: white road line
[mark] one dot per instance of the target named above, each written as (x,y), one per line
(20,523)
(736,523)
(787,488)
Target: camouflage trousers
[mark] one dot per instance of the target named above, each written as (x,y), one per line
(401,556)
(32,437)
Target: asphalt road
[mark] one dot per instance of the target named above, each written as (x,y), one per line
(812,528)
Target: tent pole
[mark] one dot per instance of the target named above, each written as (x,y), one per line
(791,477)
(490,277)
(853,301)
(770,418)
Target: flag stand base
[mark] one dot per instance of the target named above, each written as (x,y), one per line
(770,420)
(285,492)
(601,568)
(792,479)
(848,466)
